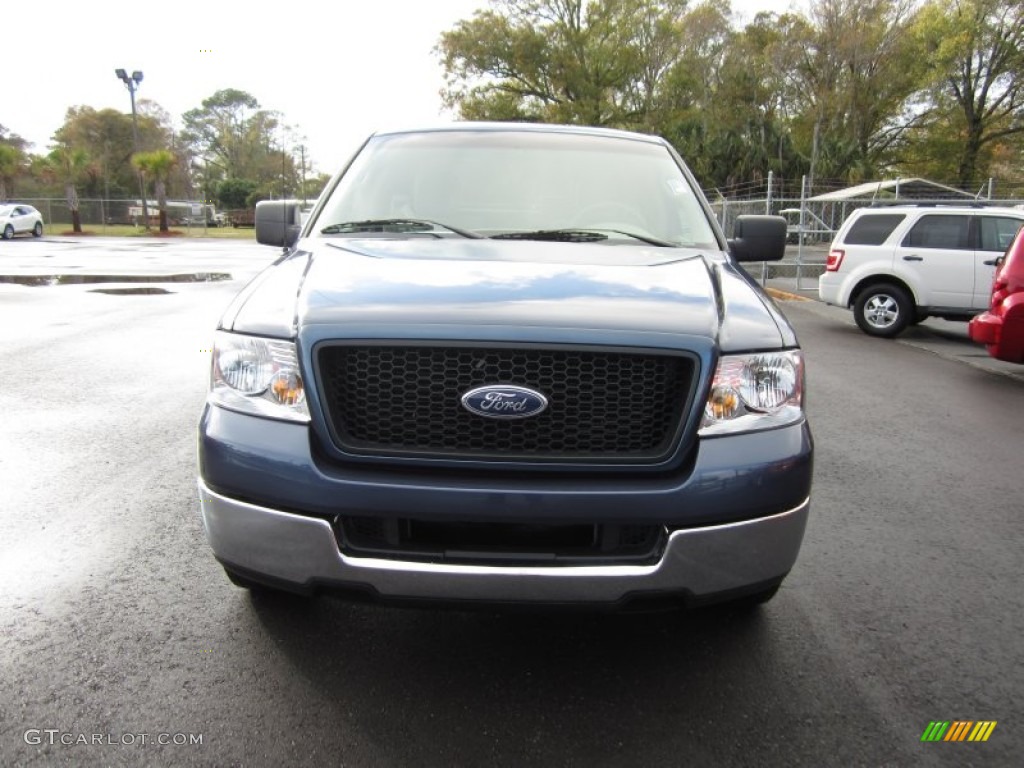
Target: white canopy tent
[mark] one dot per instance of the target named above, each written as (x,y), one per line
(893,189)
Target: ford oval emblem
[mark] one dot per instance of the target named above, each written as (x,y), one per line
(504,401)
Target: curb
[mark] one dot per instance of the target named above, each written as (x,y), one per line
(775,293)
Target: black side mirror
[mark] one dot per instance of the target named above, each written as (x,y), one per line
(758,238)
(277,222)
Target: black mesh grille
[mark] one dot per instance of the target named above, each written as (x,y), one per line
(406,401)
(504,543)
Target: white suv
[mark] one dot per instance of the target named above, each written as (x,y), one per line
(899,264)
(17,218)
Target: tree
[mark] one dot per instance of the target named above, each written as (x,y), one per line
(847,90)
(215,130)
(786,93)
(106,137)
(690,111)
(67,165)
(158,165)
(11,162)
(233,134)
(13,139)
(855,66)
(753,103)
(234,193)
(238,141)
(179,181)
(563,61)
(976,48)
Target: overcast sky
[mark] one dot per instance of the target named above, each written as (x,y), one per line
(337,72)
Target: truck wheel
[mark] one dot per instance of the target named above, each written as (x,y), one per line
(883,310)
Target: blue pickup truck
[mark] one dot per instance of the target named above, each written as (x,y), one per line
(508,363)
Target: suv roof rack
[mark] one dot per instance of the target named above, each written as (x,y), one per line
(928,204)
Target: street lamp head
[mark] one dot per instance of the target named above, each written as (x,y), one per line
(133,81)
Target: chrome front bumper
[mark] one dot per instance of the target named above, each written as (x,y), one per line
(302,552)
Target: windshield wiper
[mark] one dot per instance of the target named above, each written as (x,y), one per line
(644,238)
(585,235)
(555,235)
(395,225)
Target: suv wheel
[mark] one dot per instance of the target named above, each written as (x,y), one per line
(883,310)
(37,230)
(8,232)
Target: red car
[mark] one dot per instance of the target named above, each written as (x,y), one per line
(1001,329)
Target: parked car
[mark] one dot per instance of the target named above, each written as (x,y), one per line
(897,265)
(1001,328)
(508,363)
(20,219)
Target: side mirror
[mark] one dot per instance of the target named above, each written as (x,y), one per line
(758,238)
(277,222)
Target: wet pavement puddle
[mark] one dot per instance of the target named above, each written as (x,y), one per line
(37,281)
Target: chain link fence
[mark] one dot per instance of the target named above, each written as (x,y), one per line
(97,214)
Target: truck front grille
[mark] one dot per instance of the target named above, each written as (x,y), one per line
(405,401)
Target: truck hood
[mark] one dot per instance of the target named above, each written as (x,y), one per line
(518,290)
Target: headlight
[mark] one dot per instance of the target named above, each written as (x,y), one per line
(752,392)
(257,376)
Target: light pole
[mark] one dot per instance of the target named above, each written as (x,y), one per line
(132,83)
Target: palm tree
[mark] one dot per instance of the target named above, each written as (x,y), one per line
(157,164)
(68,164)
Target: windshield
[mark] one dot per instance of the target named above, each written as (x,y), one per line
(501,182)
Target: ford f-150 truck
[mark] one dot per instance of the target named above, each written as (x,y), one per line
(508,363)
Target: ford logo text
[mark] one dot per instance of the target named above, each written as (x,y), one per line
(504,401)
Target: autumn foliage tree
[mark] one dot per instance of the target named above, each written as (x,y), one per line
(846,90)
(975,50)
